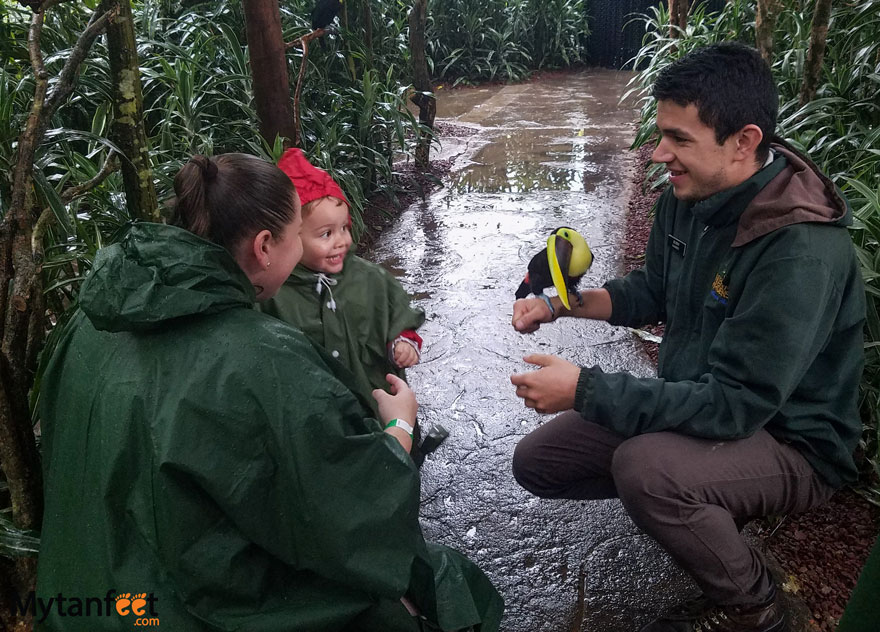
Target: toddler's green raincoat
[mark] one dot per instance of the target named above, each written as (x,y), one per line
(205,455)
(353,316)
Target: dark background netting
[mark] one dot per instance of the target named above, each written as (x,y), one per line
(615,34)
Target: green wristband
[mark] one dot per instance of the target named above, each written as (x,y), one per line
(403,425)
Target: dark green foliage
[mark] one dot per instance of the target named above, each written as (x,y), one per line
(839,129)
(497,40)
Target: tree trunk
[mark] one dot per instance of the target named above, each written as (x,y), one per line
(423,96)
(678,14)
(269,70)
(22,305)
(765,24)
(128,112)
(367,17)
(818,39)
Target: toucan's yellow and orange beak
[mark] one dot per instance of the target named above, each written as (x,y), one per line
(569,256)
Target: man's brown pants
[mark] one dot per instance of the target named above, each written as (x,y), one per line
(691,495)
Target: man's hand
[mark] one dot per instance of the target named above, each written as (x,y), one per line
(405,355)
(529,313)
(551,388)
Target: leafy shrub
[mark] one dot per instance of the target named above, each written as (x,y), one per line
(497,40)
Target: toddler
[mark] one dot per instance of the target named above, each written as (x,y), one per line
(352,308)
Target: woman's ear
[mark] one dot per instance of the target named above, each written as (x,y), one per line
(253,254)
(262,241)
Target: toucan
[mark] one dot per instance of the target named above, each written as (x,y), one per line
(561,264)
(324,13)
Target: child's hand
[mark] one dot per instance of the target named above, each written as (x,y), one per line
(405,355)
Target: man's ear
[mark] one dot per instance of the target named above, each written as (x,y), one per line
(747,141)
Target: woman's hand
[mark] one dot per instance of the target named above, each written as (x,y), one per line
(405,355)
(400,403)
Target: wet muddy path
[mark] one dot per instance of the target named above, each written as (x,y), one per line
(544,154)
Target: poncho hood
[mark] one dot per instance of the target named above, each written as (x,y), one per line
(157,273)
(800,193)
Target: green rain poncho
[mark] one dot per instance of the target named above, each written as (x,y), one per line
(205,455)
(353,315)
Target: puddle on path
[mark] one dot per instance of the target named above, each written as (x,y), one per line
(547,153)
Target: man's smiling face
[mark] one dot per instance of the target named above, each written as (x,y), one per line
(698,166)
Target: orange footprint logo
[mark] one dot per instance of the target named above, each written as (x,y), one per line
(138,603)
(123,601)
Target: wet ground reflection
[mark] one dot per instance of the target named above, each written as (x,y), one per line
(543,154)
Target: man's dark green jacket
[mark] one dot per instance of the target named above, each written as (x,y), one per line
(763,301)
(205,455)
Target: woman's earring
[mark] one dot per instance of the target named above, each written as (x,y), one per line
(267,265)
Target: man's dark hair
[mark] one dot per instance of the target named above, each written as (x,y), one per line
(731,86)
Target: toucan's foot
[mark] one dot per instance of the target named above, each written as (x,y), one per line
(580,299)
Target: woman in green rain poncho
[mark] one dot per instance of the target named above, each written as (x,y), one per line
(205,469)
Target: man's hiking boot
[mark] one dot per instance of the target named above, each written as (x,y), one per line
(688,617)
(690,609)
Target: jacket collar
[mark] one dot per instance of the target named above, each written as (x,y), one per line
(725,207)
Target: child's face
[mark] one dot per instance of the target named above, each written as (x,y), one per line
(326,236)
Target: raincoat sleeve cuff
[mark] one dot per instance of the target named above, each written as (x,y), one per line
(412,337)
(584,391)
(617,318)
(403,338)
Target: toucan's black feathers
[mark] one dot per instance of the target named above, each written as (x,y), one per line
(539,274)
(538,278)
(324,13)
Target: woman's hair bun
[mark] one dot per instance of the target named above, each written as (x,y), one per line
(231,197)
(207,166)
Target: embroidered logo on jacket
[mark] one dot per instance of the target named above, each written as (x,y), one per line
(720,289)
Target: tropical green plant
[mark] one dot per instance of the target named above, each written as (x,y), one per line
(839,129)
(498,40)
(866,236)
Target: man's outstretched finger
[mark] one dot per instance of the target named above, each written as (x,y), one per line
(519,379)
(540,359)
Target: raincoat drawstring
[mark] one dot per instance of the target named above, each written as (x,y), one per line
(328,282)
